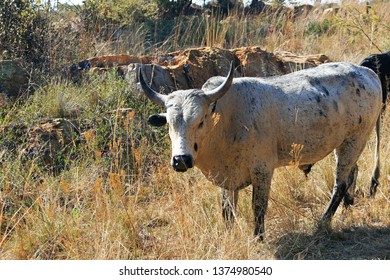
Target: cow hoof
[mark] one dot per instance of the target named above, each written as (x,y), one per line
(373,187)
(324,224)
(348,200)
(259,237)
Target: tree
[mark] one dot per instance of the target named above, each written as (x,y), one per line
(256,6)
(171,9)
(23,31)
(226,5)
(278,2)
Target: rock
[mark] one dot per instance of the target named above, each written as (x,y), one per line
(191,68)
(160,78)
(258,63)
(4,101)
(13,78)
(49,143)
(295,62)
(118,60)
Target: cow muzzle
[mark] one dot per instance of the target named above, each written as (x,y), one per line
(182,163)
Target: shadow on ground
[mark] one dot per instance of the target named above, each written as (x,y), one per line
(358,243)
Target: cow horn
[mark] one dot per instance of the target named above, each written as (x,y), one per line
(218,92)
(153,95)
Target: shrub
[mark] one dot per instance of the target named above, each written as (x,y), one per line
(24,32)
(319,28)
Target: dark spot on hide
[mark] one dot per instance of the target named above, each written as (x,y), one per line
(253,107)
(335,106)
(324,90)
(238,137)
(318,99)
(196,147)
(362,86)
(360,119)
(256,128)
(358,91)
(317,84)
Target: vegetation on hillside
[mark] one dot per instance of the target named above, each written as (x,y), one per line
(115,195)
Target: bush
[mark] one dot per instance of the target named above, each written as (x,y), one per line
(24,32)
(319,28)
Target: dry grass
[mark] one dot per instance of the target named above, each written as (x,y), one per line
(111,207)
(95,212)
(85,214)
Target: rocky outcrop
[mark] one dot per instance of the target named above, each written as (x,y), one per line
(191,68)
(49,142)
(13,78)
(293,62)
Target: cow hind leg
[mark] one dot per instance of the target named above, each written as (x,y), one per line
(346,173)
(374,182)
(376,172)
(351,185)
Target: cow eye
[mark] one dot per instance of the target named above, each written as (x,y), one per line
(201,124)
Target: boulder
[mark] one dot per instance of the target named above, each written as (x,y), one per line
(258,63)
(50,142)
(14,78)
(158,77)
(191,68)
(4,101)
(293,62)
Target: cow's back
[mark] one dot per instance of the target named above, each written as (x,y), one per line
(314,109)
(325,106)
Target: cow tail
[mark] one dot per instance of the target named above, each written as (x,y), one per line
(376,172)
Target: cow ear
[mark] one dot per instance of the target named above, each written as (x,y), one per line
(157,120)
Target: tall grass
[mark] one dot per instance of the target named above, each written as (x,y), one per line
(117,197)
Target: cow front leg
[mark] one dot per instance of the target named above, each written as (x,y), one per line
(261,182)
(229,203)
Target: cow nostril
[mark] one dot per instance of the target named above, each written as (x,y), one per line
(196,147)
(182,163)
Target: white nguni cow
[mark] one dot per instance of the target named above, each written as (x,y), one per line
(237,131)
